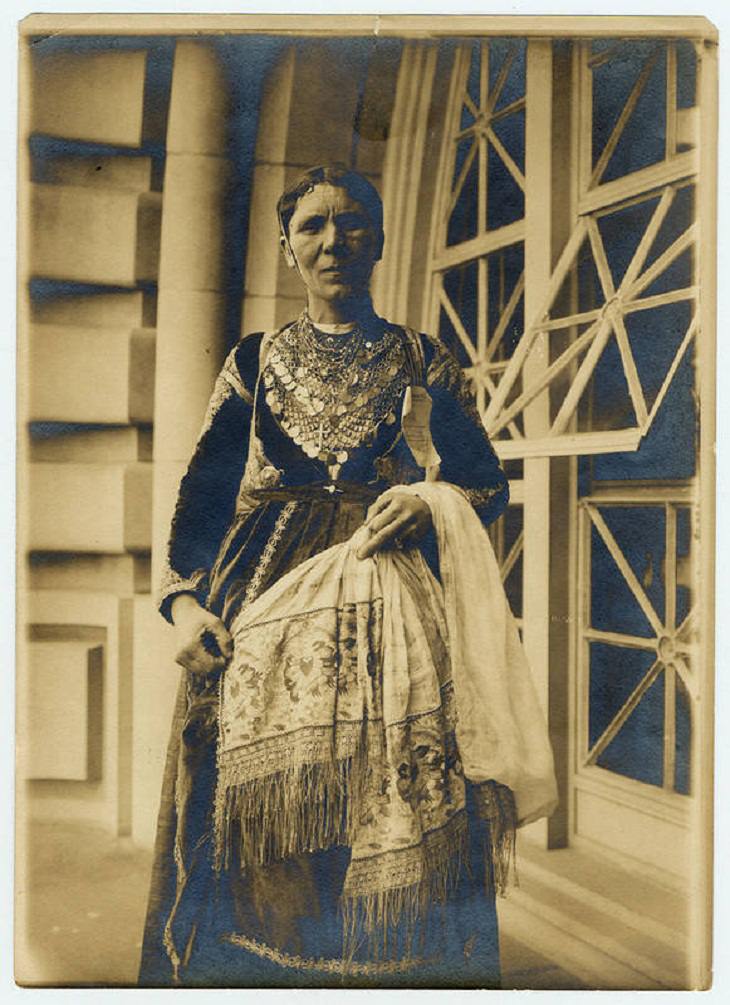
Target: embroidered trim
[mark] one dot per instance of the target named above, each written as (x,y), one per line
(230,374)
(173,583)
(254,584)
(445,372)
(417,359)
(331,966)
(480,497)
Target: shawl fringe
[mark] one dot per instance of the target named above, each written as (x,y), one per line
(496,807)
(302,807)
(375,916)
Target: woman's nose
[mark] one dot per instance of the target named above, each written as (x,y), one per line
(332,237)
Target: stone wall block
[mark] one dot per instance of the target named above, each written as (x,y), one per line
(141,372)
(89,507)
(94,618)
(100,375)
(122,575)
(85,235)
(97,97)
(61,711)
(132,174)
(77,443)
(125,310)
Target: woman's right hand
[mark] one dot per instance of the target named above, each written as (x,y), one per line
(204,643)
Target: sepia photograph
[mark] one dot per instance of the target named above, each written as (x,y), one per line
(366,379)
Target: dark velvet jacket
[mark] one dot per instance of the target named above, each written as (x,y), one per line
(229,475)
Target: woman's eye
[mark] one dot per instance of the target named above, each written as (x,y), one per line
(352,223)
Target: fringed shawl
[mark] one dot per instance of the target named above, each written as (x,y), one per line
(360,696)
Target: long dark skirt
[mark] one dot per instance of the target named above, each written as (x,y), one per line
(280,925)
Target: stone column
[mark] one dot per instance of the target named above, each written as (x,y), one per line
(402,168)
(190,349)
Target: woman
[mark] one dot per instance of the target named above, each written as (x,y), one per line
(337,805)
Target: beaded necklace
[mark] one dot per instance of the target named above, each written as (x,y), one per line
(330,393)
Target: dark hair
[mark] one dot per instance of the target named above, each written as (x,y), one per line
(339,175)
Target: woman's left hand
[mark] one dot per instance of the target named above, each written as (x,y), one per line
(395,521)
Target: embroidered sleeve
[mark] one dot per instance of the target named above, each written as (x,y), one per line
(468,460)
(206,498)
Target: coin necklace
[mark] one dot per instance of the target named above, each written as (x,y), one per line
(331,393)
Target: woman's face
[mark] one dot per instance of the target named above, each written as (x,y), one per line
(333,244)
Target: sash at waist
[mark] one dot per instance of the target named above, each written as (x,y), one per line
(346,491)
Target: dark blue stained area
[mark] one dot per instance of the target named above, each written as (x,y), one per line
(515,84)
(460,285)
(467,119)
(464,217)
(684,531)
(613,605)
(679,217)
(599,45)
(608,395)
(505,198)
(637,751)
(643,139)
(655,335)
(513,468)
(42,290)
(44,149)
(513,523)
(677,276)
(640,533)
(472,81)
(246,60)
(513,588)
(504,269)
(614,673)
(510,130)
(51,430)
(612,84)
(447,334)
(158,73)
(686,74)
(513,520)
(668,449)
(581,289)
(621,233)
(684,541)
(683,740)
